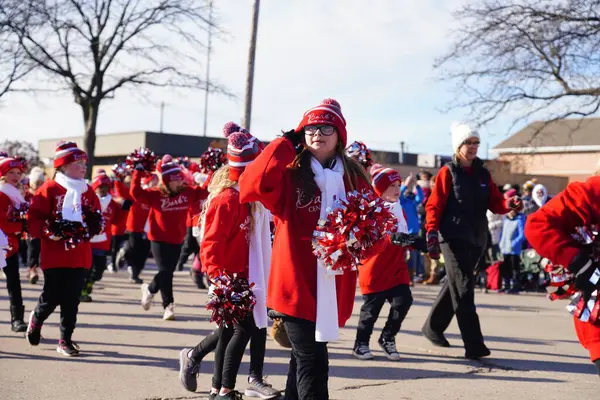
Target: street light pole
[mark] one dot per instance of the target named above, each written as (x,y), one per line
(210,11)
(250,75)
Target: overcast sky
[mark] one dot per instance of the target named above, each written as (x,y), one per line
(374,57)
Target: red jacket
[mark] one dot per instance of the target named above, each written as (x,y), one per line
(167,213)
(292,287)
(121,194)
(385,270)
(227,228)
(137,217)
(440,192)
(111,215)
(12,230)
(549,230)
(45,202)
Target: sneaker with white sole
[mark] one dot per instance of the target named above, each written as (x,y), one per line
(389,348)
(188,371)
(169,314)
(34,332)
(147,297)
(261,389)
(67,348)
(362,351)
(111,268)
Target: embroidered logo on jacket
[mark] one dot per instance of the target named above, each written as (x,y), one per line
(177,203)
(245,227)
(304,201)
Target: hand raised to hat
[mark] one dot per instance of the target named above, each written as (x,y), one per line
(294,137)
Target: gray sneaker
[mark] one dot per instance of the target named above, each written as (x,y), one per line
(261,389)
(188,371)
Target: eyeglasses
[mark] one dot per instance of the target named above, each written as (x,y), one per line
(472,143)
(326,130)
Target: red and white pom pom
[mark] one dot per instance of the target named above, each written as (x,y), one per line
(231,300)
(332,102)
(359,152)
(229,128)
(211,160)
(351,229)
(142,156)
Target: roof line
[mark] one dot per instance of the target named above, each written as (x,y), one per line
(548,149)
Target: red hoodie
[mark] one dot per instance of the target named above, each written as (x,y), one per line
(167,213)
(111,215)
(45,202)
(120,193)
(292,287)
(12,230)
(549,230)
(385,270)
(227,227)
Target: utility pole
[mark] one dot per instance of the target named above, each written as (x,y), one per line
(162,115)
(250,75)
(210,11)
(401,154)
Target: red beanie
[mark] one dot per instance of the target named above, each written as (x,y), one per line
(383,177)
(242,149)
(8,163)
(510,193)
(68,152)
(169,170)
(101,179)
(329,112)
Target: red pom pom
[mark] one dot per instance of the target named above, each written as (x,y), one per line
(360,153)
(142,156)
(353,227)
(331,102)
(238,139)
(229,128)
(211,160)
(73,233)
(231,300)
(120,170)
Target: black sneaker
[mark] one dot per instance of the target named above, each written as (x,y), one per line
(136,280)
(389,348)
(436,339)
(85,298)
(362,351)
(67,348)
(261,389)
(233,395)
(477,352)
(188,371)
(34,332)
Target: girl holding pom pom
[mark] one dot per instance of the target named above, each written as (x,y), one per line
(229,224)
(297,177)
(11,199)
(384,277)
(169,204)
(64,268)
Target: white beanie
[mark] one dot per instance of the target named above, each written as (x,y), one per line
(36,174)
(460,133)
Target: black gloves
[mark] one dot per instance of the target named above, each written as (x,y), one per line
(294,137)
(406,240)
(433,245)
(586,271)
(126,205)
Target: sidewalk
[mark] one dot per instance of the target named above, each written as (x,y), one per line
(128,353)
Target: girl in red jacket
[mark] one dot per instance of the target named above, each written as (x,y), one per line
(384,277)
(549,231)
(169,205)
(64,268)
(298,188)
(120,194)
(11,199)
(101,243)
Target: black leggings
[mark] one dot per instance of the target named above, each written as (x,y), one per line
(190,246)
(230,350)
(98,266)
(23,251)
(13,280)
(308,372)
(258,344)
(137,252)
(33,253)
(166,256)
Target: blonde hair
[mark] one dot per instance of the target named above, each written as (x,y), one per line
(218,183)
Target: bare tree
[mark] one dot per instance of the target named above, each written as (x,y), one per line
(13,65)
(525,59)
(23,149)
(94,48)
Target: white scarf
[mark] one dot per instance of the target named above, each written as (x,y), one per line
(3,249)
(396,209)
(331,184)
(13,193)
(104,202)
(259,261)
(71,207)
(540,200)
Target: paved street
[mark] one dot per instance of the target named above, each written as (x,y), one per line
(132,354)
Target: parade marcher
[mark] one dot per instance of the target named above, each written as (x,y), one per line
(411,197)
(168,209)
(298,189)
(11,199)
(384,277)
(228,223)
(511,244)
(550,232)
(456,218)
(64,268)
(120,194)
(37,178)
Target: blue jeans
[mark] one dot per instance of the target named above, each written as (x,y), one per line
(417,262)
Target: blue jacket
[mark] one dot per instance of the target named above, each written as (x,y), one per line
(513,235)
(410,204)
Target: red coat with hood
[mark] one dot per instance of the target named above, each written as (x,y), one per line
(549,230)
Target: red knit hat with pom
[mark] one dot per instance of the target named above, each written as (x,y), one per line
(383,177)
(169,170)
(8,163)
(329,112)
(101,179)
(68,152)
(242,149)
